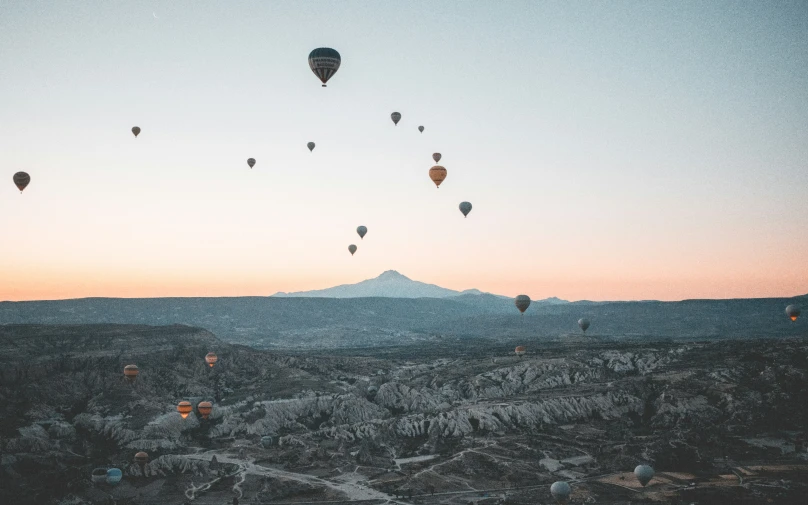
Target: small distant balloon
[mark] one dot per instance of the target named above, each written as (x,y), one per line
(21,180)
(560,491)
(324,62)
(793,312)
(211,359)
(136,131)
(436,157)
(266,441)
(204,408)
(644,474)
(583,323)
(131,372)
(396,117)
(437,174)
(310,145)
(520,350)
(421,129)
(99,475)
(522,302)
(184,408)
(465,208)
(352,249)
(362,230)
(251,162)
(114,476)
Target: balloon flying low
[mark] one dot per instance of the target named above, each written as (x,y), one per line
(130,372)
(352,249)
(114,476)
(465,208)
(362,230)
(583,323)
(520,350)
(251,162)
(204,408)
(211,359)
(644,474)
(437,174)
(793,312)
(184,408)
(396,117)
(522,302)
(324,62)
(21,180)
(310,145)
(560,491)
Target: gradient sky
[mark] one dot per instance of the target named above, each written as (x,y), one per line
(611,150)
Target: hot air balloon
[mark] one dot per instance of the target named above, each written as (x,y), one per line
(266,441)
(396,117)
(437,174)
(21,180)
(583,323)
(520,350)
(130,372)
(214,463)
(352,249)
(465,208)
(114,476)
(793,312)
(204,409)
(362,230)
(644,474)
(560,491)
(184,408)
(251,162)
(324,62)
(98,475)
(436,157)
(421,129)
(310,145)
(211,359)
(136,130)
(141,459)
(522,302)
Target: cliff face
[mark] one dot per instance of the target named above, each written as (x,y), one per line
(68,412)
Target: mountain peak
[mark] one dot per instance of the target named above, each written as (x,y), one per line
(392,275)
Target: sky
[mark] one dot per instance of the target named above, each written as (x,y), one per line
(611,150)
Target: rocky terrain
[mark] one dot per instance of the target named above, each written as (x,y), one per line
(456,421)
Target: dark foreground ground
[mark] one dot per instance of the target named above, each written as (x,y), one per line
(451,422)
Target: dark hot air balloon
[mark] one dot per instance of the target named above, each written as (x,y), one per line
(141,458)
(583,323)
(396,117)
(522,302)
(793,312)
(136,130)
(352,249)
(560,491)
(421,129)
(310,145)
(465,208)
(324,62)
(362,230)
(21,180)
(98,475)
(436,157)
(204,408)
(251,162)
(644,474)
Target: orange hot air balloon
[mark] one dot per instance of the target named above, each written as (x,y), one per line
(184,408)
(204,409)
(211,359)
(141,458)
(437,174)
(520,350)
(130,372)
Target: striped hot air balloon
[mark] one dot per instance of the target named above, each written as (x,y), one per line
(130,372)
(211,359)
(520,350)
(324,62)
(437,174)
(204,408)
(184,408)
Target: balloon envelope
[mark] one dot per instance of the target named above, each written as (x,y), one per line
(266,441)
(437,174)
(211,359)
(362,230)
(436,157)
(251,162)
(141,458)
(136,131)
(184,408)
(560,491)
(324,62)
(99,475)
(204,408)
(352,249)
(644,474)
(421,129)
(583,323)
(130,372)
(396,117)
(793,312)
(522,302)
(310,145)
(465,208)
(520,350)
(21,180)
(114,475)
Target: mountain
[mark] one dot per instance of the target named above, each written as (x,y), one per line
(391,284)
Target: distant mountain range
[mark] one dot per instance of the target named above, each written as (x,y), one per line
(391,284)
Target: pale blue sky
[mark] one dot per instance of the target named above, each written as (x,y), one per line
(610,149)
